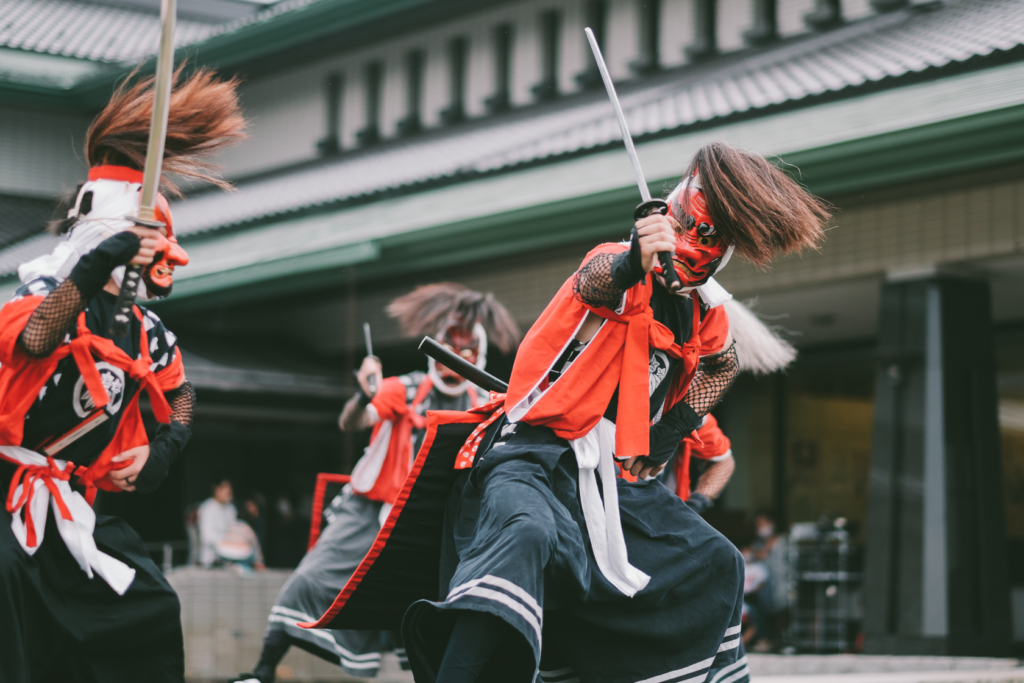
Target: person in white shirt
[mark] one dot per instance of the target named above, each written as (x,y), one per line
(216,515)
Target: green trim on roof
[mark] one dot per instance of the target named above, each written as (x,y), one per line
(932,150)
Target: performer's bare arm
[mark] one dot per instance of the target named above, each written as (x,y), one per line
(358,414)
(55,316)
(601,281)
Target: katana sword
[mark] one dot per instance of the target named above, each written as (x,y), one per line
(648,206)
(154,162)
(446,357)
(371,380)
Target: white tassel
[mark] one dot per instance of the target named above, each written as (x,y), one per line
(759,349)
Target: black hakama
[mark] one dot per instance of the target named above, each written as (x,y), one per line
(516,546)
(57,624)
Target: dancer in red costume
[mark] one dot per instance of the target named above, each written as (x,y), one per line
(467,322)
(551,565)
(80,599)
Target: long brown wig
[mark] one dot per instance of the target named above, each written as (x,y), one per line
(756,207)
(429,308)
(204,117)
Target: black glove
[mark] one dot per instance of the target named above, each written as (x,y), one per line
(92,271)
(673,427)
(628,267)
(699,502)
(164,449)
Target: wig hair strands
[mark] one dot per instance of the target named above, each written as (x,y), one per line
(204,117)
(429,308)
(756,207)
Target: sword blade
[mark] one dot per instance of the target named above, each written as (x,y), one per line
(161,107)
(627,139)
(366,338)
(120,325)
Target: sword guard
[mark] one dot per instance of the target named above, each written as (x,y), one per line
(650,207)
(668,271)
(155,225)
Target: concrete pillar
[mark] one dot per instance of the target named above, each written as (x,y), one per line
(936,577)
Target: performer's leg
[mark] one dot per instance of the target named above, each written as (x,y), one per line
(474,638)
(684,623)
(512,537)
(311,589)
(275,647)
(49,605)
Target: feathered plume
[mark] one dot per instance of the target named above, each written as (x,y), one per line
(758,348)
(204,118)
(428,308)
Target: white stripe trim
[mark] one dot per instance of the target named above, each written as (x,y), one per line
(730,645)
(681,672)
(736,676)
(350,658)
(694,679)
(732,631)
(277,609)
(505,584)
(557,672)
(504,599)
(741,662)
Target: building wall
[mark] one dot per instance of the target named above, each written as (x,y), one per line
(289,108)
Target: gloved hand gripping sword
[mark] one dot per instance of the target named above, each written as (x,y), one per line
(648,206)
(154,162)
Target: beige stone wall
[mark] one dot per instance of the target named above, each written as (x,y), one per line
(956,222)
(224,616)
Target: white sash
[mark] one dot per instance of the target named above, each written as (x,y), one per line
(77,532)
(604,526)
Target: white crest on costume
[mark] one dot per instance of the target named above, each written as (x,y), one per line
(112,200)
(113,382)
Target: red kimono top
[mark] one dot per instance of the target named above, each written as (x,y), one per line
(24,379)
(617,357)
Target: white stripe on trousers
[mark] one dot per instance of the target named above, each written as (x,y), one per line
(371,659)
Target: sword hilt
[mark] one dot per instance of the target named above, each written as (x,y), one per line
(119,326)
(668,271)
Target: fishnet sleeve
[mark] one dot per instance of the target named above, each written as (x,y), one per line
(593,283)
(183,403)
(715,477)
(52,320)
(715,375)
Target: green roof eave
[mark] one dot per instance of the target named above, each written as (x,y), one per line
(927,130)
(973,142)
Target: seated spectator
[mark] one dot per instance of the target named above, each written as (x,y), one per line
(216,515)
(240,547)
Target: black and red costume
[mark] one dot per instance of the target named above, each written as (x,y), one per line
(549,564)
(461,318)
(72,581)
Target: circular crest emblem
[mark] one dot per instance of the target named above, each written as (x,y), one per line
(113,382)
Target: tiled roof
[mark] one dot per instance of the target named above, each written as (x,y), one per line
(876,52)
(99,33)
(108,34)
(883,51)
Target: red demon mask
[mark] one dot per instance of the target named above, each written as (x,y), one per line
(461,341)
(159,275)
(699,249)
